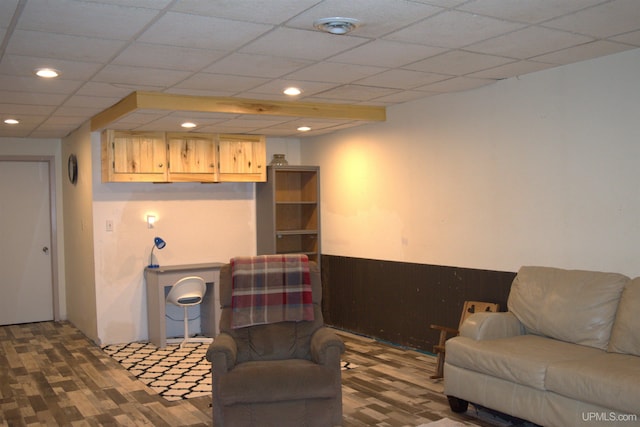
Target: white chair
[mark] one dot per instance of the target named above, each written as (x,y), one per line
(187,292)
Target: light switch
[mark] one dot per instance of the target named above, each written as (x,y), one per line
(109,226)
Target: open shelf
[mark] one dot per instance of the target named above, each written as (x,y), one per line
(288,211)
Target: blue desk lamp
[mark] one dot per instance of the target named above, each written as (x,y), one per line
(157,243)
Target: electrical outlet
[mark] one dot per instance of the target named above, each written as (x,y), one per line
(109,226)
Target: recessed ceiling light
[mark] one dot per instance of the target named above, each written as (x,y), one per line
(336,25)
(292,91)
(304,128)
(12,121)
(47,73)
(188,125)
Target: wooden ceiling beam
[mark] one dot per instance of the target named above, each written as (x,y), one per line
(213,104)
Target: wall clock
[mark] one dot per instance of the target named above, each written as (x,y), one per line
(72,168)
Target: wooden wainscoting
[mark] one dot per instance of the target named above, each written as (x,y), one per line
(397,301)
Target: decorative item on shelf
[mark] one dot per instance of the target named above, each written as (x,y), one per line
(157,243)
(278,160)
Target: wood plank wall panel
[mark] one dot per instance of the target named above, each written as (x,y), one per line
(397,301)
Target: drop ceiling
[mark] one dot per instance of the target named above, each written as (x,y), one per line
(253,49)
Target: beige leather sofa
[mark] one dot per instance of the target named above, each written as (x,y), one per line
(567,353)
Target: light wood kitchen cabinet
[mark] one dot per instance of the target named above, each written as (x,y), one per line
(241,158)
(192,157)
(288,211)
(132,156)
(129,156)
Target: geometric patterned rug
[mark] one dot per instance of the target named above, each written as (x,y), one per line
(174,373)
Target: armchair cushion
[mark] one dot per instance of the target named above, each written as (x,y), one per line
(326,347)
(625,335)
(224,350)
(274,381)
(522,359)
(486,326)
(569,305)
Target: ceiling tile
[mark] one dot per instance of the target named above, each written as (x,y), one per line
(103,89)
(96,102)
(274,88)
(16,109)
(356,92)
(202,32)
(512,69)
(333,72)
(82,18)
(377,17)
(530,42)
(291,43)
(583,52)
(530,11)
(457,84)
(386,53)
(149,4)
(220,82)
(632,38)
(7,9)
(139,75)
(167,57)
(402,79)
(18,65)
(256,65)
(443,3)
(247,10)
(609,19)
(453,29)
(404,96)
(62,46)
(29,97)
(28,84)
(458,62)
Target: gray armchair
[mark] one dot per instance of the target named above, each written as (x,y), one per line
(279,374)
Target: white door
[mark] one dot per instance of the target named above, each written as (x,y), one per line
(26,287)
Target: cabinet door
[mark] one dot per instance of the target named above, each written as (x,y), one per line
(192,157)
(242,158)
(129,156)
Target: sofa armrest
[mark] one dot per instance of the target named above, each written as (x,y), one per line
(326,347)
(488,326)
(222,353)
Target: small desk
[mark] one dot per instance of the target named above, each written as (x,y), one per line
(158,279)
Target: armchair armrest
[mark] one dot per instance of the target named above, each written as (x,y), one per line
(326,347)
(222,353)
(488,326)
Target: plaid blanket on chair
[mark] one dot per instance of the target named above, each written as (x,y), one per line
(270,289)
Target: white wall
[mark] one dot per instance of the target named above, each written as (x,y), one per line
(78,234)
(540,169)
(200,223)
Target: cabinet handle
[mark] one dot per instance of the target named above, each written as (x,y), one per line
(160,165)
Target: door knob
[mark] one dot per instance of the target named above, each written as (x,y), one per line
(45,250)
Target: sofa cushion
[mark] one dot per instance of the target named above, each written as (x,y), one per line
(609,380)
(625,335)
(570,305)
(523,359)
(273,381)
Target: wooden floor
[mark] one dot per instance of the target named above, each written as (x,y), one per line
(51,374)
